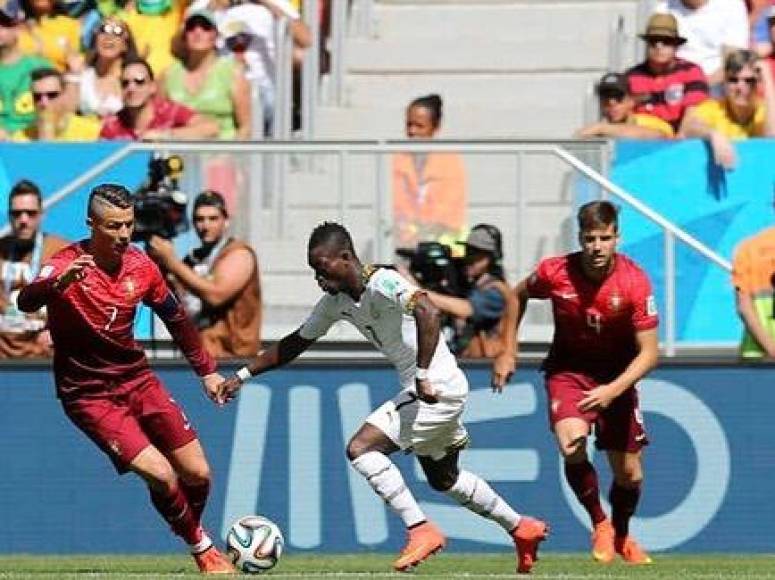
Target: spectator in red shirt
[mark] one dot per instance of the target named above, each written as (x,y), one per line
(663,84)
(149,117)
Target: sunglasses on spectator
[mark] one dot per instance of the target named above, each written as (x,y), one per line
(198,22)
(112,28)
(750,81)
(663,40)
(49,95)
(17,213)
(139,81)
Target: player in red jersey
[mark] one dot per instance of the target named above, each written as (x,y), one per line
(91,290)
(605,341)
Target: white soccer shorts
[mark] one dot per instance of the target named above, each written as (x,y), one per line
(427,430)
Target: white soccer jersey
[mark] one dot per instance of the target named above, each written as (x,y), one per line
(382,316)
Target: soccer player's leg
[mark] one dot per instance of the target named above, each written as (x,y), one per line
(571,428)
(475,494)
(623,436)
(368,452)
(188,485)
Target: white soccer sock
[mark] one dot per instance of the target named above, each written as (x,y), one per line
(204,544)
(385,479)
(474,493)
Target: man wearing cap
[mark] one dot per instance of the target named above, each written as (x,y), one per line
(711,29)
(619,119)
(17,109)
(663,84)
(218,281)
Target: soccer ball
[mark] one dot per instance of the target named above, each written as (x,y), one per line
(254,544)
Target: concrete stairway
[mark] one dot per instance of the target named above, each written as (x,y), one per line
(505,69)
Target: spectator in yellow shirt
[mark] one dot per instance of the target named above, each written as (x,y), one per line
(154,25)
(54,121)
(619,119)
(740,113)
(49,34)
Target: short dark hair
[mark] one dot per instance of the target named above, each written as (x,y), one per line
(46,72)
(24,187)
(433,104)
(331,233)
(598,214)
(134,59)
(111,194)
(211,198)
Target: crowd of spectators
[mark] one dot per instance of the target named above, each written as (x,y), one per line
(75,70)
(201,60)
(707,72)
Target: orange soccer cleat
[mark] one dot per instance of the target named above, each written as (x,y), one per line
(211,561)
(527,535)
(631,552)
(603,542)
(422,542)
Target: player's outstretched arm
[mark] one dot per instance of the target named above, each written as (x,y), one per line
(277,355)
(37,294)
(504,366)
(185,335)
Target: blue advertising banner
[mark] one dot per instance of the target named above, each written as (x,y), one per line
(278,450)
(720,208)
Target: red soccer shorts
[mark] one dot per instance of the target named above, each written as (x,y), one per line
(617,428)
(122,425)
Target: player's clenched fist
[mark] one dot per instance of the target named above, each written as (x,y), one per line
(75,271)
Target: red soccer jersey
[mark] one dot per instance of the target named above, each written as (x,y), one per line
(595,323)
(91,322)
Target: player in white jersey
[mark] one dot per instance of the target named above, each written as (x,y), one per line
(425,416)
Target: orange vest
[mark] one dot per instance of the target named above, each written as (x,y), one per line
(429,198)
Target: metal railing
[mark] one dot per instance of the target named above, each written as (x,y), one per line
(380,205)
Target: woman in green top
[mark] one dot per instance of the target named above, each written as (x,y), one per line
(211,85)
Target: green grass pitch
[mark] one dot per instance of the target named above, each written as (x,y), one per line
(377,566)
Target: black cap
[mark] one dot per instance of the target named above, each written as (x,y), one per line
(612,83)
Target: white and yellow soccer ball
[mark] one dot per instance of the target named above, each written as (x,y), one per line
(254,544)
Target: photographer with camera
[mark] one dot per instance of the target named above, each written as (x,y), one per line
(473,293)
(147,116)
(218,282)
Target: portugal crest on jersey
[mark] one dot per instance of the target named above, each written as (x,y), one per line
(129,286)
